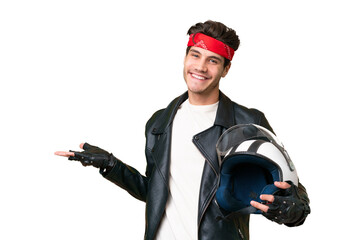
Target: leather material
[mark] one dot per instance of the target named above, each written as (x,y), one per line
(287,206)
(153,188)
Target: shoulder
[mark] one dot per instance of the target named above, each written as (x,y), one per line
(154,118)
(161,119)
(250,115)
(245,112)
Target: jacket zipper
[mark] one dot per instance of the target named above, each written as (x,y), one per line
(212,167)
(241,235)
(212,195)
(207,205)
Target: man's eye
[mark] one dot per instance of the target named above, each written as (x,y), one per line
(195,55)
(213,61)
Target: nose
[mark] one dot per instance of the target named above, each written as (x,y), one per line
(201,65)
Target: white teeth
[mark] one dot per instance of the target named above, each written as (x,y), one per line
(197,77)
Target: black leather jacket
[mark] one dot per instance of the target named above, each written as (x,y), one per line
(153,188)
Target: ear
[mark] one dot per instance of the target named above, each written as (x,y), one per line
(226,70)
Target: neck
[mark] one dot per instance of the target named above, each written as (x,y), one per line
(202,99)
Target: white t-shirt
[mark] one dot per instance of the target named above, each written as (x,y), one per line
(186,167)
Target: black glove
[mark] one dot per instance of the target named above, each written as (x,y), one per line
(287,206)
(93,156)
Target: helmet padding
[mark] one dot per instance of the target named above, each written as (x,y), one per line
(244,177)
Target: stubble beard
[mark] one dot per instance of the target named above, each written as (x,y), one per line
(201,90)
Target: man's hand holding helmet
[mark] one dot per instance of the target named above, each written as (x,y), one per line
(285,206)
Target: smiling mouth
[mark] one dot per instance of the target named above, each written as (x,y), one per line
(198,76)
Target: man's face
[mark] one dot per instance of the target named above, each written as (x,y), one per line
(203,70)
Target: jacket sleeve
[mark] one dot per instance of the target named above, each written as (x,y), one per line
(264,122)
(128,177)
(306,201)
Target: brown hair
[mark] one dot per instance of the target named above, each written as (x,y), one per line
(218,31)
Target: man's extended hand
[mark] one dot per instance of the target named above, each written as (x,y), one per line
(91,155)
(284,206)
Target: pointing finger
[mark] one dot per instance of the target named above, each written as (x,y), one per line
(64,154)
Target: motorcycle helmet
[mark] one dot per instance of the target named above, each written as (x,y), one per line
(251,158)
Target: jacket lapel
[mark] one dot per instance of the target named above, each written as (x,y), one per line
(206,143)
(206,140)
(162,130)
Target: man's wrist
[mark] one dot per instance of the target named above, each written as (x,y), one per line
(109,165)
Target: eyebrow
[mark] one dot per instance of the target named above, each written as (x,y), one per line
(214,57)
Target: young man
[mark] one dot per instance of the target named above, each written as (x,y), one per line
(182,171)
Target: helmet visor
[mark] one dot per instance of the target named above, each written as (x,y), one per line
(236,135)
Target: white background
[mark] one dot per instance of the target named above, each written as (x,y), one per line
(95,71)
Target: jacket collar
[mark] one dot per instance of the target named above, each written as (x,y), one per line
(224,115)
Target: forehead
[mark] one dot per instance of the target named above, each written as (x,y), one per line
(206,53)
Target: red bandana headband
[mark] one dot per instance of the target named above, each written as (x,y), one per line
(208,43)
